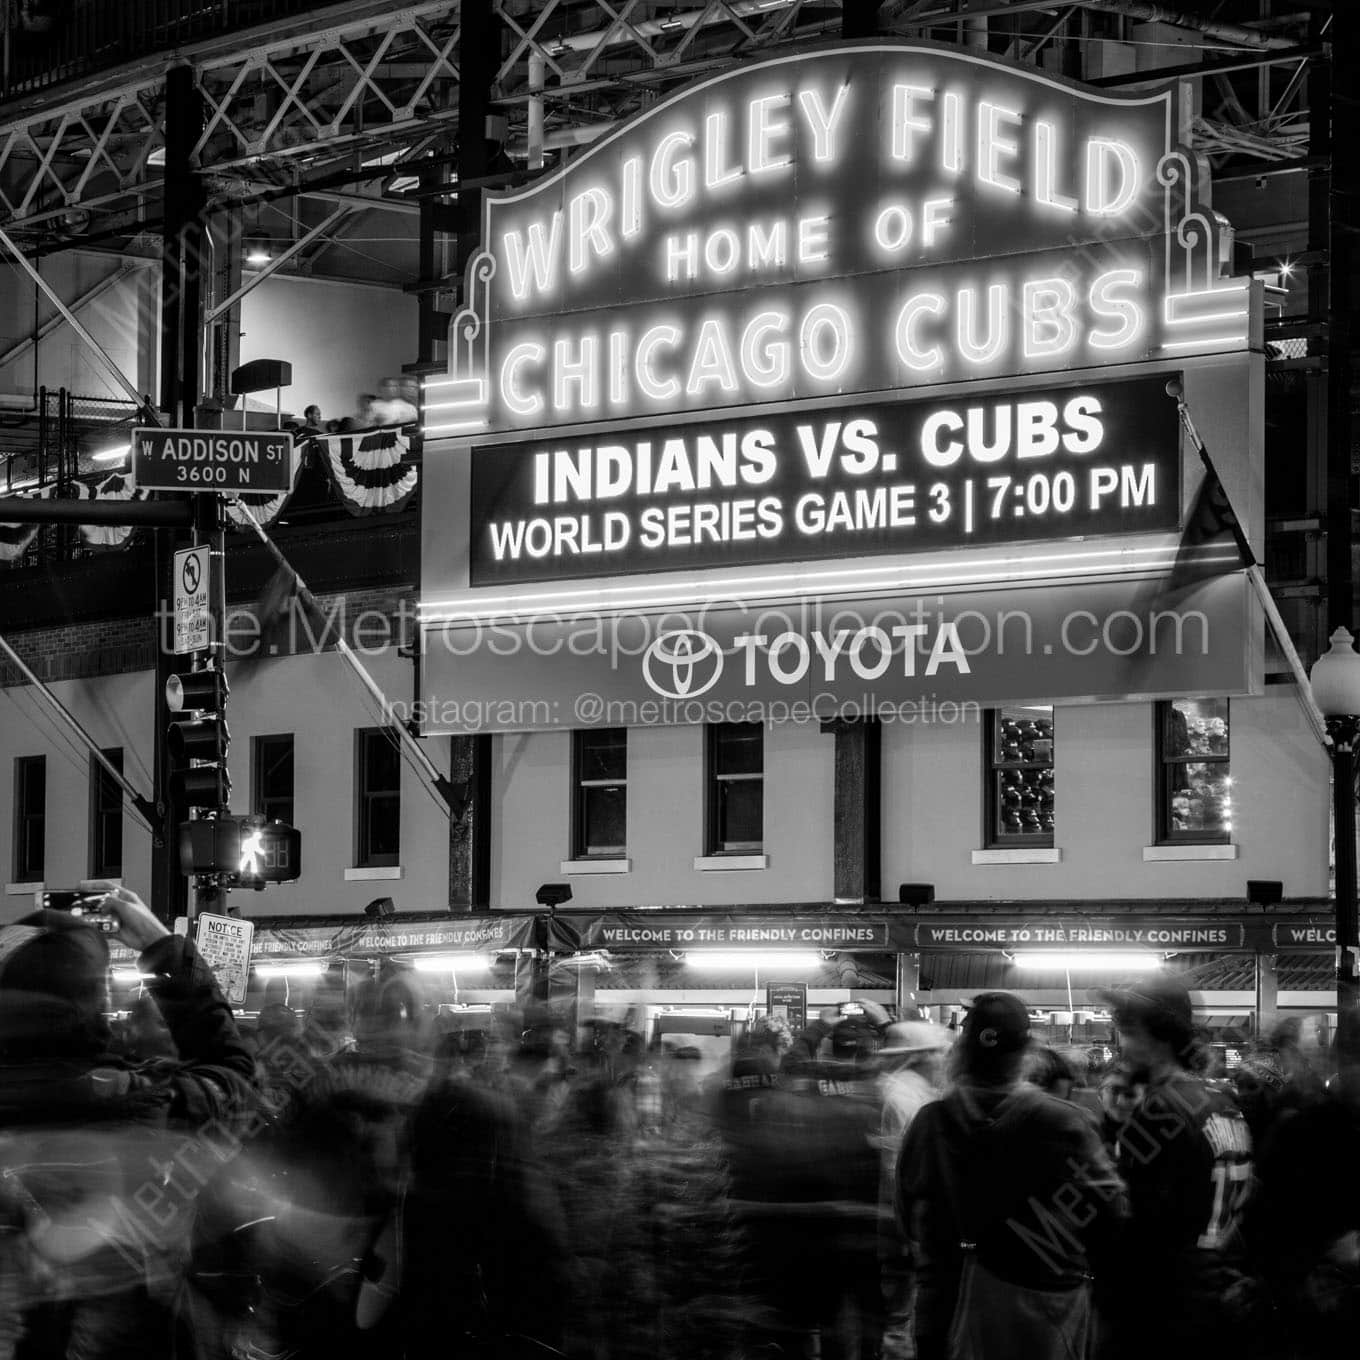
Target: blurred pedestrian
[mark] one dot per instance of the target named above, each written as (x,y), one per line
(148,1036)
(1305,1219)
(1186,1154)
(1118,1098)
(1007,1195)
(364,417)
(393,405)
(911,1075)
(92,1249)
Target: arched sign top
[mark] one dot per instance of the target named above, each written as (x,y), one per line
(862,217)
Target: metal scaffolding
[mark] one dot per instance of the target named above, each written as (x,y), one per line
(370,91)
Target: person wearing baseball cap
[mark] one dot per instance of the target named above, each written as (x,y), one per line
(1008,1195)
(1186,1155)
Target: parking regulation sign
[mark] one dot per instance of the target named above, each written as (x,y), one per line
(192,618)
(235,462)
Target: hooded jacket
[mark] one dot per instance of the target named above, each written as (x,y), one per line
(1021,1176)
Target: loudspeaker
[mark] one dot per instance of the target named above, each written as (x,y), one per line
(1264,892)
(916,894)
(261,375)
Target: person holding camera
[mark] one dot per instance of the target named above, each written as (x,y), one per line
(101,1159)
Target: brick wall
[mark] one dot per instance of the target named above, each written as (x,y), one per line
(366,618)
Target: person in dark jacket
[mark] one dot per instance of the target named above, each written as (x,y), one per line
(1186,1154)
(1304,1220)
(1007,1195)
(101,1159)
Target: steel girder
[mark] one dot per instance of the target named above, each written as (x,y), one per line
(367,95)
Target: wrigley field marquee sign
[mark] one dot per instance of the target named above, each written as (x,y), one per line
(861,218)
(884,327)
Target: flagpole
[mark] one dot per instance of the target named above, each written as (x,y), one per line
(1256,576)
(453,798)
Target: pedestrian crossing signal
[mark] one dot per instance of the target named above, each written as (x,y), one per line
(244,852)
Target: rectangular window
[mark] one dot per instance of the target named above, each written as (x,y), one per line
(272,768)
(600,781)
(30,818)
(106,817)
(1019,756)
(377,839)
(1194,789)
(736,788)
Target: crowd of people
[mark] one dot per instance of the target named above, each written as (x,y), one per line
(394,403)
(350,1181)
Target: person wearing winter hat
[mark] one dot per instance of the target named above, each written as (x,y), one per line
(1007,1195)
(78,1124)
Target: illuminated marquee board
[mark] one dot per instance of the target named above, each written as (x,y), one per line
(875,478)
(857,219)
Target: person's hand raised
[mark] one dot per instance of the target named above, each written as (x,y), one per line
(137,927)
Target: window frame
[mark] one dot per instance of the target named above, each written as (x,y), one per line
(364,855)
(260,764)
(580,787)
(26,871)
(992,837)
(713,841)
(1163,765)
(101,865)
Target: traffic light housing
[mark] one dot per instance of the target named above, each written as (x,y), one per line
(202,691)
(245,852)
(198,738)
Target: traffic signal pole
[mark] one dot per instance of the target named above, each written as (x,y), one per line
(210,528)
(183,203)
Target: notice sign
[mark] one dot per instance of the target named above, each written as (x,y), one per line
(789,1003)
(193,569)
(875,477)
(231,461)
(225,943)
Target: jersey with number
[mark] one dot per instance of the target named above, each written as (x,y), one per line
(1186,1157)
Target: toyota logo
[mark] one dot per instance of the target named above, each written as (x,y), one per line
(682,664)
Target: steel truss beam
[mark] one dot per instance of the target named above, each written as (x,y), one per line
(298,106)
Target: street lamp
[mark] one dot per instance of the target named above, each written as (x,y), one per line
(1335,680)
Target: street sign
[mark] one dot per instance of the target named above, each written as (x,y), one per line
(231,461)
(224,942)
(192,615)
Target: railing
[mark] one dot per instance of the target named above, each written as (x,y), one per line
(48,449)
(44,43)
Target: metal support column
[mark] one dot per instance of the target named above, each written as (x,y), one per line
(908,988)
(181,348)
(1345,733)
(470,757)
(859,18)
(1267,994)
(856,811)
(181,248)
(1341,288)
(169,893)
(470,834)
(210,523)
